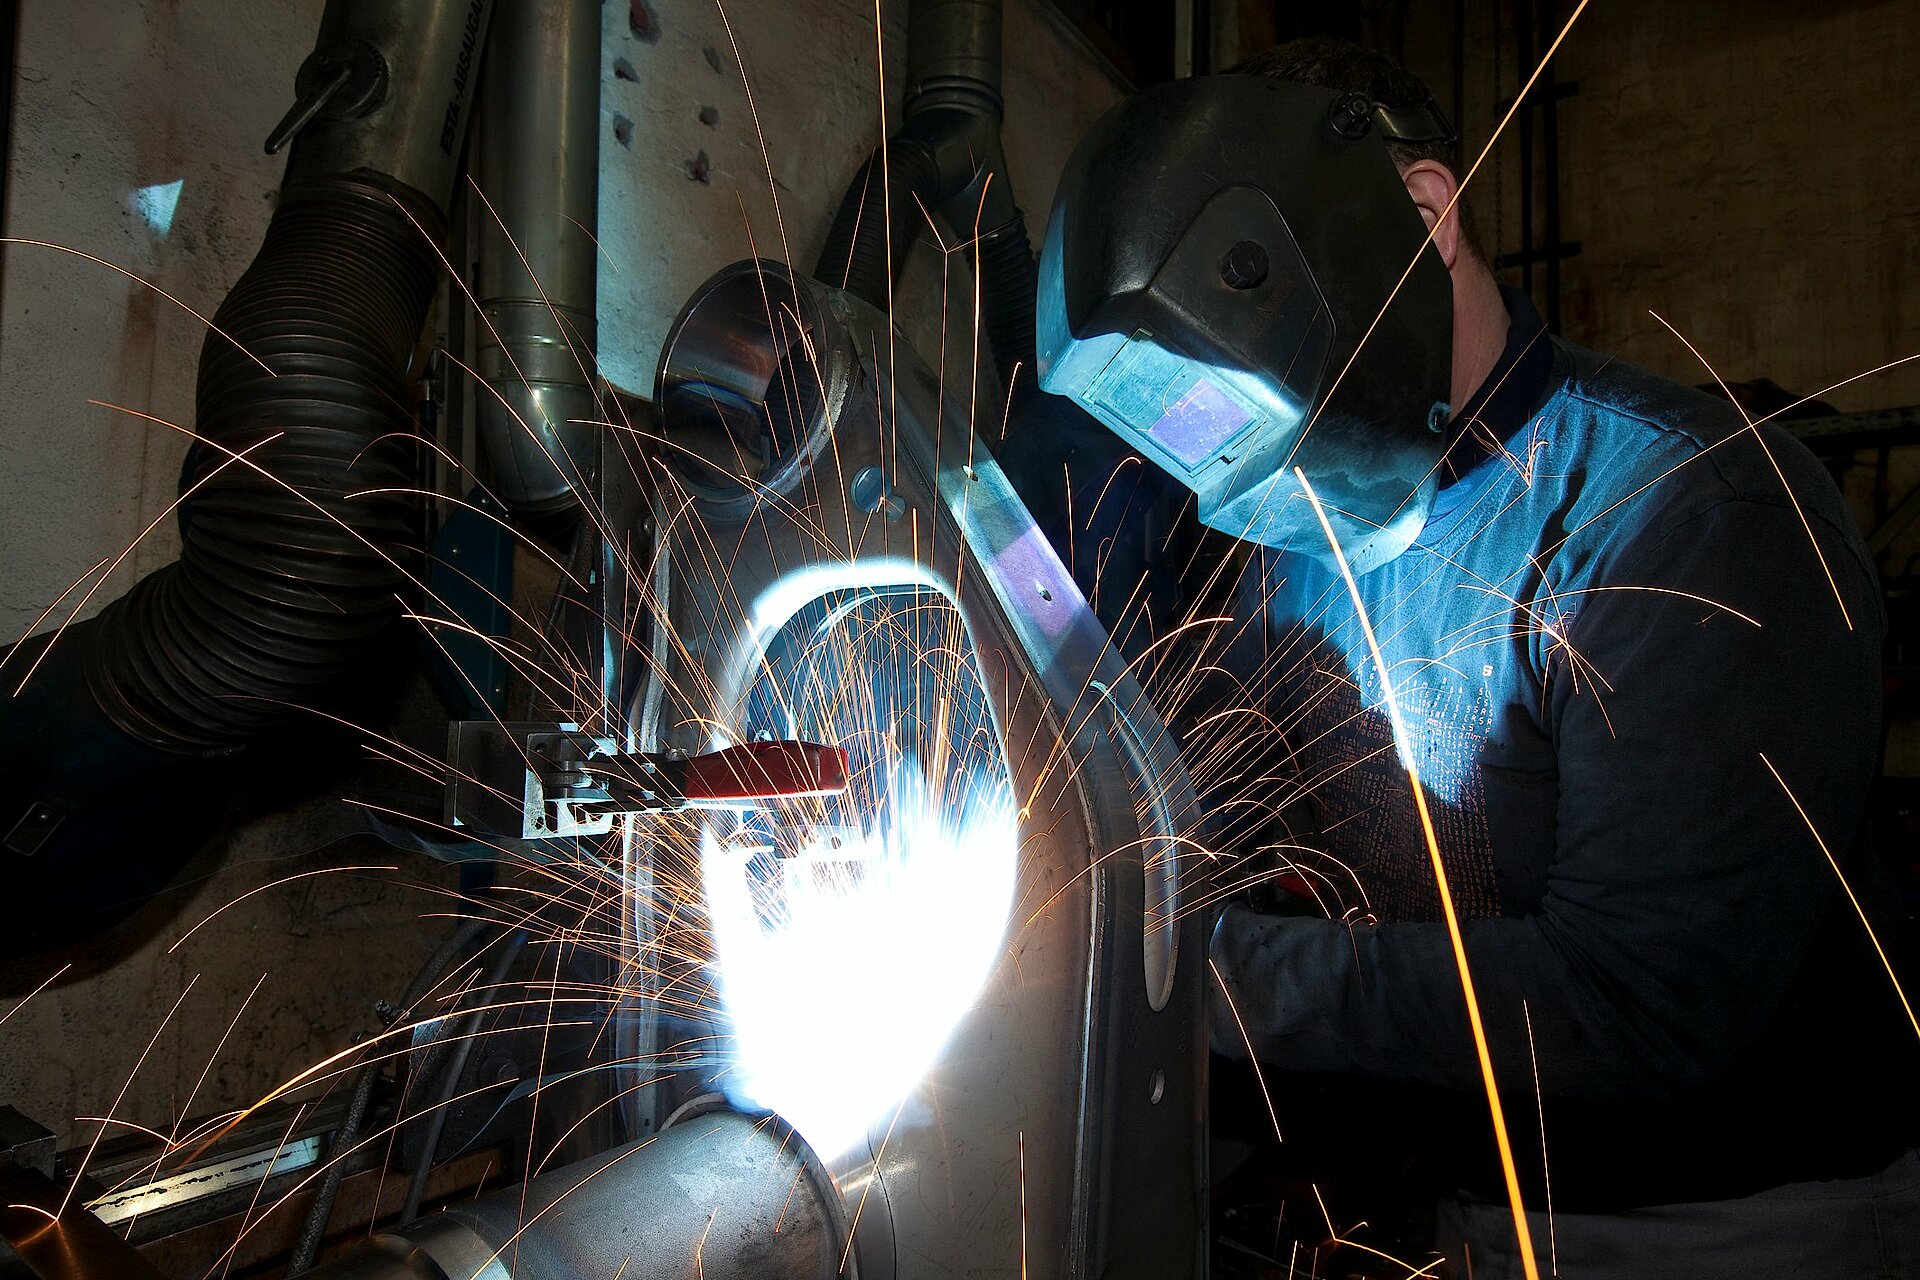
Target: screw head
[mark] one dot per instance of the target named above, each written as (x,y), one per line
(1351,115)
(1244,266)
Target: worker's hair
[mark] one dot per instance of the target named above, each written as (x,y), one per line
(1332,63)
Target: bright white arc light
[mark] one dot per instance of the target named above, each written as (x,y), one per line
(844,984)
(156,205)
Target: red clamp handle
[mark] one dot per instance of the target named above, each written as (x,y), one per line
(765,771)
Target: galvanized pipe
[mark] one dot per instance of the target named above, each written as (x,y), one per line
(538,179)
(386,90)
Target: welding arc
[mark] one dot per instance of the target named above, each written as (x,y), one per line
(1400,738)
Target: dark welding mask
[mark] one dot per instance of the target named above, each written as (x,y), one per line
(1222,286)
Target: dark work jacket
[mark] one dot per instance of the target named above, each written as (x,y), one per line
(1631,637)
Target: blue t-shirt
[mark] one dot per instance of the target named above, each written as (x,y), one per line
(1628,611)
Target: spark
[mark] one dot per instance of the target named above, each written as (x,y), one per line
(45,982)
(1519,101)
(121,1097)
(1841,875)
(1507,1167)
(1546,1170)
(1253,1055)
(114,562)
(1773,462)
(699,1267)
(260,1187)
(1023,1204)
(272,884)
(145,283)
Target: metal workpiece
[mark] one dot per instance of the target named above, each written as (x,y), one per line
(1059,1130)
(535,209)
(722,1195)
(387,90)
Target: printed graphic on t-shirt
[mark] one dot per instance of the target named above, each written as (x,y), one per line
(1357,780)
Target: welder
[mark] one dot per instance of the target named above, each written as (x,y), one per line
(1634,649)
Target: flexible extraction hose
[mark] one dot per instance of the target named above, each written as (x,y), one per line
(1009,282)
(946,159)
(855,257)
(296,554)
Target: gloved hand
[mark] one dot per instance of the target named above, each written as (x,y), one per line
(1226,997)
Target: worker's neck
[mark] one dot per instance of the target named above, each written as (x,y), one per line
(1480,323)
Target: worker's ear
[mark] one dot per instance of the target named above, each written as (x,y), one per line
(1432,186)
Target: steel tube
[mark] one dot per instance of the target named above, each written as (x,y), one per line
(538,175)
(413,118)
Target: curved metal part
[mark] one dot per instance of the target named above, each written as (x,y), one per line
(1061,1128)
(538,162)
(402,74)
(721,1195)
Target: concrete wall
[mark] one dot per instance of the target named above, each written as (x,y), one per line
(1745,169)
(115,99)
(1741,168)
(114,103)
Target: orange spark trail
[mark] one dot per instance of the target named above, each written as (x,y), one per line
(48,981)
(1519,101)
(699,1267)
(324,871)
(1771,461)
(1023,1204)
(114,562)
(142,280)
(1546,1170)
(122,1097)
(753,109)
(1857,909)
(1507,1167)
(1253,1058)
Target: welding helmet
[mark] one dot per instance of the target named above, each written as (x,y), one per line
(1234,282)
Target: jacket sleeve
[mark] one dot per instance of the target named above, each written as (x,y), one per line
(1683,889)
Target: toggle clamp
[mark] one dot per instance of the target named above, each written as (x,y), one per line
(540,780)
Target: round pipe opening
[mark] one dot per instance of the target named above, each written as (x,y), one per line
(750,382)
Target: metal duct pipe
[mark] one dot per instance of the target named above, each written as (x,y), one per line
(386,90)
(722,1195)
(947,157)
(539,178)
